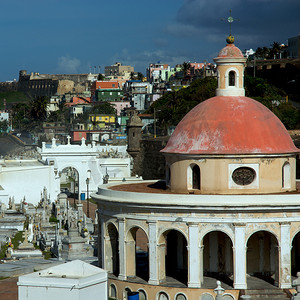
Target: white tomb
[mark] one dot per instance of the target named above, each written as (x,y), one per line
(73,280)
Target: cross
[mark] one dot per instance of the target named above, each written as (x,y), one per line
(230,19)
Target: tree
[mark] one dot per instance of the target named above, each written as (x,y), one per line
(38,109)
(100,77)
(3,126)
(288,114)
(173,106)
(103,108)
(186,67)
(140,76)
(275,50)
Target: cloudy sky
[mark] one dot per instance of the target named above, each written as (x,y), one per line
(70,36)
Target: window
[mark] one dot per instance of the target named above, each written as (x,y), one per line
(196,177)
(180,297)
(163,296)
(231,78)
(243,175)
(286,175)
(142,295)
(113,291)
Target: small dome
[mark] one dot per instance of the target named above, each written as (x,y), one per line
(135,120)
(230,125)
(230,51)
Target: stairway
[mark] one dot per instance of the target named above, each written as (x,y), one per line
(271,294)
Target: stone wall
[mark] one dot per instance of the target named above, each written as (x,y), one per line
(150,162)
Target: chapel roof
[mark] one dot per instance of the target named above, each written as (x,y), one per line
(230,125)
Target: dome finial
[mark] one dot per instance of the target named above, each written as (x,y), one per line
(230,39)
(230,19)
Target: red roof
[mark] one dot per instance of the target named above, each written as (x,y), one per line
(230,125)
(230,51)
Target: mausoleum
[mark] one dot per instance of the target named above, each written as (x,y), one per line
(229,209)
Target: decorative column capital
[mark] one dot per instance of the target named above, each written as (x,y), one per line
(121,220)
(192,224)
(151,222)
(284,223)
(239,224)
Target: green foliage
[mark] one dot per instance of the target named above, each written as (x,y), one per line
(13,96)
(38,108)
(52,219)
(103,108)
(288,114)
(269,95)
(100,77)
(258,87)
(15,241)
(173,106)
(30,116)
(3,126)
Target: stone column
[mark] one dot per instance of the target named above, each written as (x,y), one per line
(153,254)
(285,256)
(195,268)
(239,257)
(122,250)
(101,242)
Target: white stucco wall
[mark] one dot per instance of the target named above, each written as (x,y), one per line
(27,179)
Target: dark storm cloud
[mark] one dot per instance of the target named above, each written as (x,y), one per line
(260,21)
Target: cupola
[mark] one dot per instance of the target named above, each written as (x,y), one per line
(230,64)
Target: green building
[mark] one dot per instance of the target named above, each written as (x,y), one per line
(108,95)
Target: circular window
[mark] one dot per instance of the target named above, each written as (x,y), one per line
(243,176)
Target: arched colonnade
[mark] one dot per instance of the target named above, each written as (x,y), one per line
(187,252)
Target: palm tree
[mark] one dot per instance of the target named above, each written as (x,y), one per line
(186,67)
(39,108)
(275,50)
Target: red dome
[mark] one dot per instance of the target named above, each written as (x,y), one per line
(230,51)
(230,125)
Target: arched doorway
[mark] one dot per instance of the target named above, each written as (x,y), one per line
(112,250)
(262,257)
(69,183)
(218,256)
(173,256)
(295,255)
(137,259)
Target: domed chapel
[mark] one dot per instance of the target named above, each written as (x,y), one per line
(231,207)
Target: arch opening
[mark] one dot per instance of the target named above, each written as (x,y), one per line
(69,183)
(262,257)
(218,257)
(137,253)
(295,255)
(112,250)
(175,256)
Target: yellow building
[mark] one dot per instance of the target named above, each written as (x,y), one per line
(101,120)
